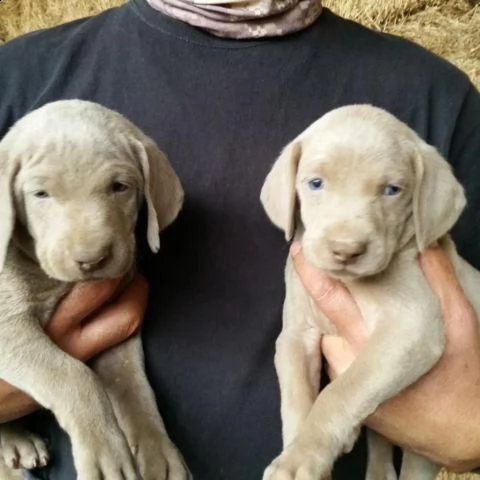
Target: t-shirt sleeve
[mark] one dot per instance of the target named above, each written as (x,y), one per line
(18,75)
(6,110)
(37,63)
(465,159)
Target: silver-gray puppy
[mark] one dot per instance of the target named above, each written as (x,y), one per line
(364,194)
(72,177)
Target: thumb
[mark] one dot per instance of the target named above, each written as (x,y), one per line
(460,319)
(331,297)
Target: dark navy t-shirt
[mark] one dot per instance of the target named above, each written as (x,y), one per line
(222,110)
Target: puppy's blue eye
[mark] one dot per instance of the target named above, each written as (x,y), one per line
(315,184)
(41,194)
(392,190)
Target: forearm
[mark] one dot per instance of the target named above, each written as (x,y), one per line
(445,429)
(14,404)
(109,326)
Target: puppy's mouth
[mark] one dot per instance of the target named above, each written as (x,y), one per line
(342,273)
(104,274)
(72,277)
(362,267)
(350,272)
(69,270)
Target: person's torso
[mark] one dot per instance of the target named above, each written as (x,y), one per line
(222,110)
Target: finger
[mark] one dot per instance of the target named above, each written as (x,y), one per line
(441,276)
(459,316)
(115,323)
(332,298)
(84,299)
(339,354)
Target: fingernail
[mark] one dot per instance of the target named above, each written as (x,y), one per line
(295,248)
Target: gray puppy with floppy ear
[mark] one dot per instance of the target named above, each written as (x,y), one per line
(364,195)
(73,175)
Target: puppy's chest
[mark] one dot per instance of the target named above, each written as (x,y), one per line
(26,291)
(389,300)
(374,312)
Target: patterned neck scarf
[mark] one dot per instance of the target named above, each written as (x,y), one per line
(243,19)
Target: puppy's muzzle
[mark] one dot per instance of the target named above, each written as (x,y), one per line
(89,262)
(347,252)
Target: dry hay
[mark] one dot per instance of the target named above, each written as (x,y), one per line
(450,28)
(21,16)
(450,476)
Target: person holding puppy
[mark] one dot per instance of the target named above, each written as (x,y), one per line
(222,87)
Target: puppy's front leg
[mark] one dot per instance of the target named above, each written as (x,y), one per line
(298,359)
(395,357)
(32,363)
(298,366)
(122,372)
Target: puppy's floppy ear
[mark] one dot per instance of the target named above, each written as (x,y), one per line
(278,193)
(8,171)
(163,191)
(438,198)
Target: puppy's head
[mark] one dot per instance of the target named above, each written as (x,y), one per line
(362,184)
(73,175)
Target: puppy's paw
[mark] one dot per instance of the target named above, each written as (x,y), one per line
(157,457)
(21,448)
(298,462)
(350,442)
(103,453)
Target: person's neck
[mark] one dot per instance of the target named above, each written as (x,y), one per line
(243,19)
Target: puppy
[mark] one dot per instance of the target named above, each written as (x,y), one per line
(73,175)
(364,195)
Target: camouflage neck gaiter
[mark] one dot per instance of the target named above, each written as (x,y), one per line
(243,19)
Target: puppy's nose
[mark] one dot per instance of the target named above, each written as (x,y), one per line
(346,251)
(92,261)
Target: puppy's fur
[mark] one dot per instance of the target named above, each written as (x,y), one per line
(73,175)
(364,195)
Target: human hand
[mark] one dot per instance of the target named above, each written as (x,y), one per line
(84,325)
(444,401)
